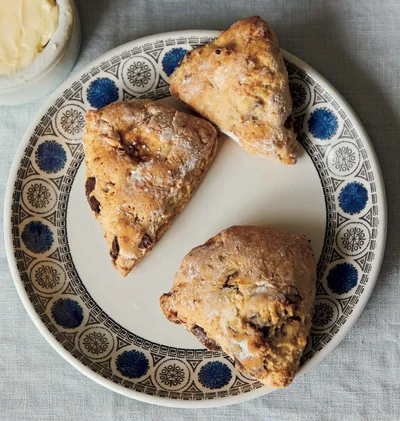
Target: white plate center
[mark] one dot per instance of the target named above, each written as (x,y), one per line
(239,189)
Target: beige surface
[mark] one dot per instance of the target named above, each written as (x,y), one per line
(144,161)
(240,83)
(248,291)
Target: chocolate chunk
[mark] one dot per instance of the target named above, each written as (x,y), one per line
(265,331)
(294,318)
(131,149)
(90,185)
(146,242)
(217,51)
(289,122)
(173,317)
(94,204)
(259,101)
(114,249)
(231,276)
(293,296)
(201,335)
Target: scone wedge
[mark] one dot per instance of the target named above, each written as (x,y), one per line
(249,292)
(144,160)
(239,82)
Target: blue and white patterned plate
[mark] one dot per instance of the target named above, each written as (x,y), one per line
(112,328)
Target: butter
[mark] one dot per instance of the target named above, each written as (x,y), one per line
(26,26)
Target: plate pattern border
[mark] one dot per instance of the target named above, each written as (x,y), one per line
(342,303)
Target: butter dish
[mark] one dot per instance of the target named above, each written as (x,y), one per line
(51,65)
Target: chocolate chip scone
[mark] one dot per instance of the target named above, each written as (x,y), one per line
(144,160)
(249,292)
(239,82)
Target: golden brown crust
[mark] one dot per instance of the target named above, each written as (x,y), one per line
(239,82)
(248,291)
(144,160)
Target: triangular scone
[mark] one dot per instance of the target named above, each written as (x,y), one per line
(239,82)
(249,292)
(144,160)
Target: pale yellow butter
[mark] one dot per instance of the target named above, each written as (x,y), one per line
(26,26)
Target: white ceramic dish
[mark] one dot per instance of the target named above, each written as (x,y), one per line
(111,328)
(51,66)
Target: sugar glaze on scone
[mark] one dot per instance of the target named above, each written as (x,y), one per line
(144,160)
(239,82)
(249,292)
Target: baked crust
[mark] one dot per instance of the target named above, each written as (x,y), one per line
(239,82)
(143,161)
(249,292)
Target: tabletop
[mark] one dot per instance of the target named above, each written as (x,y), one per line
(355,46)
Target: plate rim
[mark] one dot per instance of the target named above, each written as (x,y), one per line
(165,401)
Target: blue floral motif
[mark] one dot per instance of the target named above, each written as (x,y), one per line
(172,60)
(50,156)
(101,92)
(322,123)
(215,375)
(67,313)
(342,278)
(353,198)
(132,364)
(37,237)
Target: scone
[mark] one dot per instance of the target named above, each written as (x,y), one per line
(249,292)
(239,82)
(144,160)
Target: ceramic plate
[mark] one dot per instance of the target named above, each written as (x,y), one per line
(111,328)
